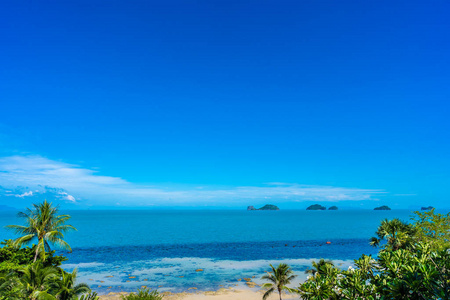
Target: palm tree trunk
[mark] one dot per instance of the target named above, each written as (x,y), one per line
(36,255)
(40,241)
(279,292)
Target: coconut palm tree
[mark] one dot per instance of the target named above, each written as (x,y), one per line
(42,223)
(66,289)
(398,234)
(36,281)
(9,285)
(319,267)
(279,278)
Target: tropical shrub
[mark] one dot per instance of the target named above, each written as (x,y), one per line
(34,272)
(10,287)
(66,289)
(143,294)
(13,258)
(413,264)
(433,229)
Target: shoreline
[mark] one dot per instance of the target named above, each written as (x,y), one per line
(188,274)
(220,294)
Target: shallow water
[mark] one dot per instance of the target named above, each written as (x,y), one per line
(165,248)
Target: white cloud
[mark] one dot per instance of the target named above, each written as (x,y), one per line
(43,175)
(26,194)
(68,197)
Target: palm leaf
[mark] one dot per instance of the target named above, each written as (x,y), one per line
(268,293)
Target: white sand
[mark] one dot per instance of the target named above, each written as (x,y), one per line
(222,294)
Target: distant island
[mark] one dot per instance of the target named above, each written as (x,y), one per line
(334,207)
(316,207)
(265,207)
(384,207)
(427,208)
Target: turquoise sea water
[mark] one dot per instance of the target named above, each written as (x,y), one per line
(122,250)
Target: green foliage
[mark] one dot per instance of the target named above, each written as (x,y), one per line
(33,272)
(12,258)
(36,280)
(42,223)
(278,279)
(10,287)
(322,284)
(433,229)
(414,264)
(143,294)
(90,296)
(319,267)
(397,234)
(66,289)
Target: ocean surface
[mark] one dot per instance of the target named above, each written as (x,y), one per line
(124,250)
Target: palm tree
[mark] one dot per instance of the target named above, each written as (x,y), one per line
(9,285)
(37,280)
(397,234)
(90,296)
(319,267)
(66,289)
(279,278)
(44,224)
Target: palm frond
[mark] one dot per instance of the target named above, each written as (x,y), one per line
(23,240)
(268,293)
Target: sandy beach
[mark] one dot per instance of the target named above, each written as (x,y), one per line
(221,294)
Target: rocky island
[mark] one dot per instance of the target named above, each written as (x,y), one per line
(265,207)
(427,208)
(384,207)
(316,207)
(334,207)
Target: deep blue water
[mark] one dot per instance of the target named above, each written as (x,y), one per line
(164,248)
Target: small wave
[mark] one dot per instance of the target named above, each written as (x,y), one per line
(83,265)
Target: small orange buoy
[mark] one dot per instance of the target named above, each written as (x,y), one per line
(328,242)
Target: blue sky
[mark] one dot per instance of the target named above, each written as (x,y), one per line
(225,103)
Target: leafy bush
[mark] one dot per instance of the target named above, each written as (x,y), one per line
(143,294)
(33,273)
(433,229)
(12,258)
(413,264)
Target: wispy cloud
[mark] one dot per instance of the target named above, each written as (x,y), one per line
(26,194)
(34,175)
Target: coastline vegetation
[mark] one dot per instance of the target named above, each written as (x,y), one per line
(44,224)
(143,294)
(34,272)
(413,262)
(278,279)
